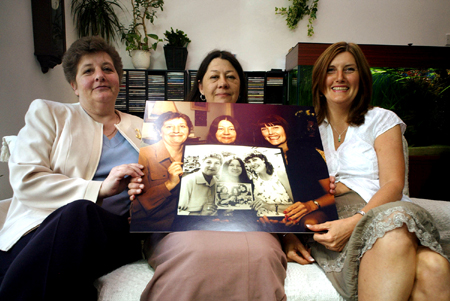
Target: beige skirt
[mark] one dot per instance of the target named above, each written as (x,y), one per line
(213,265)
(342,267)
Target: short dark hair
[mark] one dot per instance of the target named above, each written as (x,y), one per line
(211,138)
(169,115)
(272,120)
(194,95)
(269,166)
(361,103)
(88,45)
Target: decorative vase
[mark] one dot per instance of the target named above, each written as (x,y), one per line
(140,59)
(176,57)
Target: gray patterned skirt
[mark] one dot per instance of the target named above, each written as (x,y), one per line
(342,267)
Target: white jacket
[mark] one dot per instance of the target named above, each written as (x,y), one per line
(55,158)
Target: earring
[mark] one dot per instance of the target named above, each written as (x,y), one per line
(202,97)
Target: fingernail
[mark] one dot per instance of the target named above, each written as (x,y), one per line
(311,259)
(308,225)
(284,211)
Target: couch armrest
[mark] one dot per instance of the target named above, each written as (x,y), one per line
(8,143)
(4,206)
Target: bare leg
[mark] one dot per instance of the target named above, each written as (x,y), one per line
(387,271)
(432,276)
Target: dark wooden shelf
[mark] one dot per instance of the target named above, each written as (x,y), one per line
(305,54)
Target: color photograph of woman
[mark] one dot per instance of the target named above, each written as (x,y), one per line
(154,208)
(308,177)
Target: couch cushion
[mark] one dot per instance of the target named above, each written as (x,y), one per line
(306,282)
(440,211)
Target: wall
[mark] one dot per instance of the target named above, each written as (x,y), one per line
(248,28)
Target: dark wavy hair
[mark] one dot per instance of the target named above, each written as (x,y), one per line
(243,177)
(361,103)
(211,138)
(272,120)
(172,115)
(88,45)
(194,95)
(269,166)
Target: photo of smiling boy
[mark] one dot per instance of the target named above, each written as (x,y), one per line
(198,189)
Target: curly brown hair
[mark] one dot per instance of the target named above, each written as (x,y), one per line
(88,45)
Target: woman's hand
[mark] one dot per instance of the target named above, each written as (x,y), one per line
(135,187)
(259,203)
(295,212)
(338,232)
(337,188)
(175,172)
(183,204)
(118,179)
(295,250)
(332,185)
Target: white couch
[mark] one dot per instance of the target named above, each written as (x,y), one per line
(302,282)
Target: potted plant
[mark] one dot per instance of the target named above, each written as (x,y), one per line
(175,50)
(96,17)
(136,37)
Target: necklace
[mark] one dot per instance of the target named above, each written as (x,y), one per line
(339,135)
(115,129)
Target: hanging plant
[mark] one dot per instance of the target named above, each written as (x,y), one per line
(297,11)
(96,17)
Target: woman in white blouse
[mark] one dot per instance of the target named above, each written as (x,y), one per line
(383,247)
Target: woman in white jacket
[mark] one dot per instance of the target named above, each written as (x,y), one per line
(68,220)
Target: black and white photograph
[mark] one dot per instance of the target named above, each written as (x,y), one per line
(235,177)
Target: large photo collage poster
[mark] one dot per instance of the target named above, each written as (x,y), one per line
(231,167)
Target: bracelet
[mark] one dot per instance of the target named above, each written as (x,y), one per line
(317,204)
(360,212)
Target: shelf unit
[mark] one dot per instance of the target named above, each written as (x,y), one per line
(256,81)
(138,86)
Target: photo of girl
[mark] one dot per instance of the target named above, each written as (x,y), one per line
(272,191)
(234,190)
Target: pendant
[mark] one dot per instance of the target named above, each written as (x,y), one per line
(339,138)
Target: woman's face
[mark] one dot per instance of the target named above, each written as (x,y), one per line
(274,134)
(211,166)
(342,80)
(257,165)
(96,83)
(226,133)
(174,132)
(235,168)
(221,82)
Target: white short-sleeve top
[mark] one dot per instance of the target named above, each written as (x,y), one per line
(355,162)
